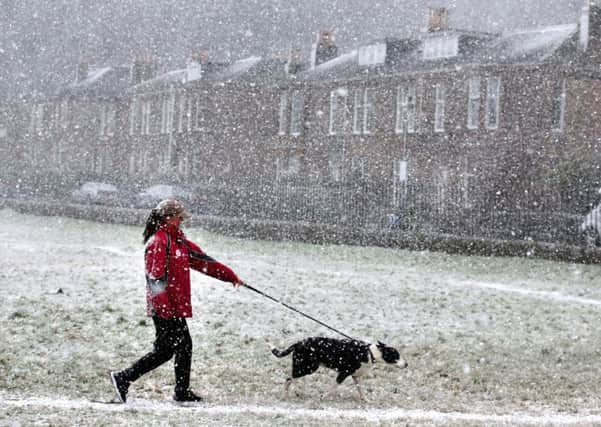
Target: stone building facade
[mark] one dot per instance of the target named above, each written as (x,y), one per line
(444,131)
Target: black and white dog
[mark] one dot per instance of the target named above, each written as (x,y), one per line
(348,357)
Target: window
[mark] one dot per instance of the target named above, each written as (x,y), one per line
(361,111)
(467,184)
(405,109)
(133,115)
(339,112)
(439,111)
(558,106)
(56,116)
(493,89)
(183,122)
(32,118)
(183,166)
(442,183)
(283,114)
(287,167)
(102,120)
(401,171)
(473,104)
(335,167)
(40,117)
(143,109)
(164,161)
(146,114)
(291,113)
(37,118)
(168,112)
(357,107)
(107,119)
(358,169)
(61,115)
(64,114)
(102,160)
(138,162)
(132,164)
(333,112)
(164,106)
(189,114)
(199,119)
(372,54)
(296,113)
(110,119)
(399,181)
(145,162)
(58,150)
(441,47)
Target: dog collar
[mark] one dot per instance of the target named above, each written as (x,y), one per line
(371,355)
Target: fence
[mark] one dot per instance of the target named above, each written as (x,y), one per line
(422,209)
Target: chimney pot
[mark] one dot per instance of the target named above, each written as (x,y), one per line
(438,19)
(325,49)
(142,70)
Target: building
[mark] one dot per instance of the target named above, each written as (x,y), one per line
(445,131)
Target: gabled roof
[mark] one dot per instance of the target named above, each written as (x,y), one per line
(343,66)
(402,55)
(164,80)
(407,55)
(239,67)
(107,81)
(252,69)
(534,45)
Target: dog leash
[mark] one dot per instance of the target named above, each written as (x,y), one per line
(297,311)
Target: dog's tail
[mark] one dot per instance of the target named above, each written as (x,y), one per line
(282,353)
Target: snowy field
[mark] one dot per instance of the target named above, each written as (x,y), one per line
(489,341)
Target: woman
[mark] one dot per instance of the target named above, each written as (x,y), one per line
(169,257)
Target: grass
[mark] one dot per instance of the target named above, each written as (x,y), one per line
(486,335)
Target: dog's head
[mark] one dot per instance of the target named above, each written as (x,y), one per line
(391,356)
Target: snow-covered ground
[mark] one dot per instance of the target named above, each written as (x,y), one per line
(490,341)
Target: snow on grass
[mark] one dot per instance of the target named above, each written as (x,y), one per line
(308,416)
(483,336)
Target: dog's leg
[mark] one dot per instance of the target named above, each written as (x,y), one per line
(339,379)
(287,387)
(330,391)
(359,389)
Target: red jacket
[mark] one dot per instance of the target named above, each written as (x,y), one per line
(168,283)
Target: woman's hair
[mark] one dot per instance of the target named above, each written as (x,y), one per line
(154,221)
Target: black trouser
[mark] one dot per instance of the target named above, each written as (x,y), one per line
(172,338)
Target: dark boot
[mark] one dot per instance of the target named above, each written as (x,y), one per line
(121,385)
(187,397)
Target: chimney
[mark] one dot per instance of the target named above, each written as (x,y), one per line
(193,69)
(81,73)
(438,19)
(204,57)
(294,61)
(150,69)
(142,70)
(324,49)
(201,57)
